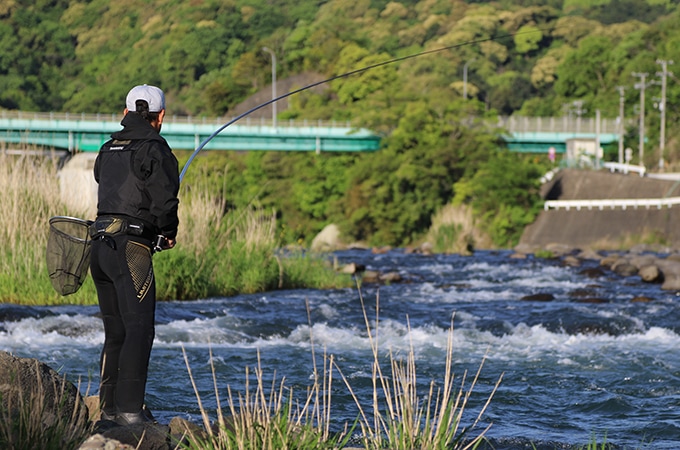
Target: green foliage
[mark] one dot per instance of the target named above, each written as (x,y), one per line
(448,237)
(510,90)
(527,39)
(395,191)
(83,56)
(526,56)
(545,254)
(583,71)
(615,11)
(504,194)
(36,56)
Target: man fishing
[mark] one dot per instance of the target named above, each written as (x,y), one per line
(138,179)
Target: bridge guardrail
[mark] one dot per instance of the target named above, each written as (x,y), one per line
(622,203)
(565,124)
(625,168)
(514,124)
(194,120)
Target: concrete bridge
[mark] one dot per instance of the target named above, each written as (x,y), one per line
(539,134)
(87,132)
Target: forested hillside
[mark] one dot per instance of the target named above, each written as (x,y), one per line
(528,57)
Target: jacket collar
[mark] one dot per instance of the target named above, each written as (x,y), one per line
(136,127)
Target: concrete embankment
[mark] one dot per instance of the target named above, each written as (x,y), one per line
(77,186)
(606,228)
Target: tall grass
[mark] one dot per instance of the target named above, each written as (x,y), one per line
(40,418)
(268,418)
(454,230)
(30,196)
(397,418)
(223,251)
(265,417)
(219,251)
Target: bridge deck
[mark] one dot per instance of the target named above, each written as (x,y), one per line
(87,132)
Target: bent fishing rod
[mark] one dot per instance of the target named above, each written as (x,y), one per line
(336,77)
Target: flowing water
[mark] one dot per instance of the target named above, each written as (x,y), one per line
(590,363)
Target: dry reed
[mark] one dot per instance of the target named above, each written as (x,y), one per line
(42,416)
(205,221)
(454,230)
(30,197)
(399,420)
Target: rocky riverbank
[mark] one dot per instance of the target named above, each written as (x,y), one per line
(643,263)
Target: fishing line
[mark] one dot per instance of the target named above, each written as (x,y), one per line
(336,77)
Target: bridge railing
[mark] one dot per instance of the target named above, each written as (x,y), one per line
(622,203)
(217,121)
(566,124)
(514,124)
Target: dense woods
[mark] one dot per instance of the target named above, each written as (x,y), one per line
(524,57)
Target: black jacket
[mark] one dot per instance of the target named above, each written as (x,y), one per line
(138,176)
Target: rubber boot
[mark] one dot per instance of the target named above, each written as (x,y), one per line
(123,418)
(111,416)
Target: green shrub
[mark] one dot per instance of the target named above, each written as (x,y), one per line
(504,195)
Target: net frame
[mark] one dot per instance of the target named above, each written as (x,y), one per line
(68,253)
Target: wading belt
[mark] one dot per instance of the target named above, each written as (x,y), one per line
(116,225)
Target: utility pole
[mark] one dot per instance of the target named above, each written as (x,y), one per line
(662,107)
(273,55)
(641,85)
(579,110)
(621,123)
(597,139)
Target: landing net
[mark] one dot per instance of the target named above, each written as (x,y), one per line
(68,253)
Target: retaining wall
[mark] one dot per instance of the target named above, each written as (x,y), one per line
(607,228)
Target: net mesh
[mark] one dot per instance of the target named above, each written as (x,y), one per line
(68,253)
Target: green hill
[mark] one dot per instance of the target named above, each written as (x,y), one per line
(530,57)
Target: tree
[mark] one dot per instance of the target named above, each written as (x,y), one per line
(508,91)
(395,191)
(504,193)
(527,39)
(37,56)
(582,74)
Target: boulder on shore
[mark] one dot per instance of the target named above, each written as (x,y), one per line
(28,384)
(671,274)
(328,239)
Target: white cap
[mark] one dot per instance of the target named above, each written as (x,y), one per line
(151,94)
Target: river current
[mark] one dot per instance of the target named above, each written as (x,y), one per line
(589,364)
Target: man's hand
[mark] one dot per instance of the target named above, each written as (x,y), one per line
(163,243)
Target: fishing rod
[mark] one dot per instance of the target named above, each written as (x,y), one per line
(336,77)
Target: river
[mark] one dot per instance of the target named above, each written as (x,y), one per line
(587,364)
